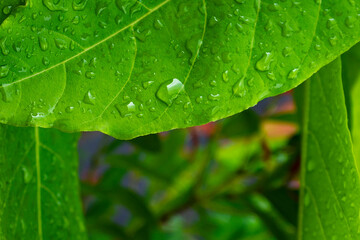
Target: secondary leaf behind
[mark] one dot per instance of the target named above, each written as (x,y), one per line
(39,192)
(330,190)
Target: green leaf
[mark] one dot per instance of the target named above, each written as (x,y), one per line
(39,197)
(130,68)
(330,190)
(7,6)
(351,74)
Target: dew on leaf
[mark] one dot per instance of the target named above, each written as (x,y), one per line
(3,47)
(60,43)
(7,9)
(264,63)
(79,5)
(214,97)
(4,71)
(158,24)
(43,43)
(239,89)
(123,5)
(90,75)
(331,23)
(45,61)
(8,92)
(126,110)
(169,91)
(225,76)
(69,109)
(293,74)
(55,5)
(89,98)
(27,174)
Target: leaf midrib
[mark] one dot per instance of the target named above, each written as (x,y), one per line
(94,45)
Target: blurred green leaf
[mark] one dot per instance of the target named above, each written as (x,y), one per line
(280,228)
(244,124)
(330,190)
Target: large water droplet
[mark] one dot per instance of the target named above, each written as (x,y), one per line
(89,98)
(60,43)
(126,110)
(8,92)
(169,91)
(124,5)
(55,5)
(239,89)
(43,43)
(264,63)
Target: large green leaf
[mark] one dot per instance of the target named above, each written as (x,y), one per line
(129,68)
(39,197)
(330,190)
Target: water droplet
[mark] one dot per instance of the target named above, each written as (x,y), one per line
(3,47)
(55,6)
(199,99)
(147,84)
(27,174)
(239,89)
(69,109)
(310,166)
(225,76)
(43,43)
(169,91)
(126,110)
(287,30)
(4,71)
(8,92)
(79,5)
(350,21)
(286,51)
(293,74)
(331,23)
(264,63)
(333,40)
(60,43)
(7,9)
(158,24)
(89,98)
(213,21)
(214,97)
(90,75)
(193,45)
(124,5)
(274,7)
(45,61)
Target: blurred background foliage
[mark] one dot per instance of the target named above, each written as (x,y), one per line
(234,179)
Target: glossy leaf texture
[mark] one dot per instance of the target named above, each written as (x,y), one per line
(39,190)
(130,68)
(330,191)
(351,75)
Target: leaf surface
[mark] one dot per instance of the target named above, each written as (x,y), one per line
(130,68)
(39,191)
(351,74)
(330,190)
